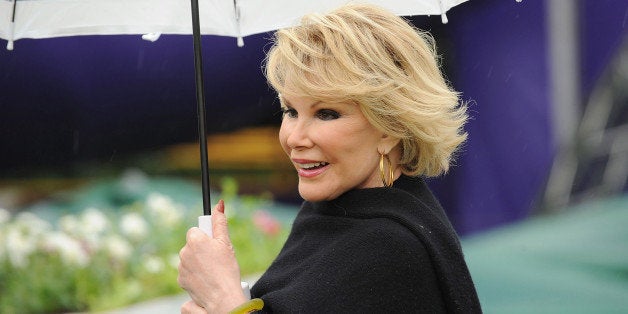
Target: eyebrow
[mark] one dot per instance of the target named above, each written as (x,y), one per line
(286,103)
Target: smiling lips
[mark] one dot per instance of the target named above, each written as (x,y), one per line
(309,168)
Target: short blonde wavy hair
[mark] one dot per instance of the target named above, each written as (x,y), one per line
(367,55)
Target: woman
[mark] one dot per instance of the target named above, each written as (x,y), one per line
(367,112)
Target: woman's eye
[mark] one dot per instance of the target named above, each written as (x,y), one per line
(327,114)
(289,112)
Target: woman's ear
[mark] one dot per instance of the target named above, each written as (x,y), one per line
(387,143)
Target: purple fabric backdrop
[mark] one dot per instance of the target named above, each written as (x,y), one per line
(499,63)
(603,28)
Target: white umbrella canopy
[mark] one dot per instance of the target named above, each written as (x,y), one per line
(57,18)
(262,16)
(235,18)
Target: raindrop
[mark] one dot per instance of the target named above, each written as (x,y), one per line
(508,77)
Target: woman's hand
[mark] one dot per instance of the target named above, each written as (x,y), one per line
(190,307)
(208,270)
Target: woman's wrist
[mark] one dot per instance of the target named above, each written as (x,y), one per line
(228,302)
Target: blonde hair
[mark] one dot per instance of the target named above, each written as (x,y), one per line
(369,56)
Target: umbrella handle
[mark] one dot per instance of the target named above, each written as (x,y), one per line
(205,224)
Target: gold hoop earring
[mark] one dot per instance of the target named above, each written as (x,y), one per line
(388,181)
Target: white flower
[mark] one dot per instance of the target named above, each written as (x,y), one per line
(5,215)
(92,226)
(174,261)
(153,264)
(134,181)
(157,202)
(70,224)
(167,212)
(119,248)
(94,221)
(134,226)
(31,224)
(19,246)
(69,249)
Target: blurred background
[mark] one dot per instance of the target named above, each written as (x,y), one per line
(538,193)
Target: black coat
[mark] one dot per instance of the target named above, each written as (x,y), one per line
(378,250)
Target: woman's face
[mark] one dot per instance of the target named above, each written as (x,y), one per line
(332,146)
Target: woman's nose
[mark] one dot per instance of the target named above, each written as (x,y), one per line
(298,135)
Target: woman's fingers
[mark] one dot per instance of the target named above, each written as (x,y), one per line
(209,271)
(190,307)
(219,224)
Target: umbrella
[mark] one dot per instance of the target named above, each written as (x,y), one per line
(237,18)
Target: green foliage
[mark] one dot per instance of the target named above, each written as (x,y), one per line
(105,259)
(257,237)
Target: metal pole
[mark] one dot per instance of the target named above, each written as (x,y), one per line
(565,99)
(200,103)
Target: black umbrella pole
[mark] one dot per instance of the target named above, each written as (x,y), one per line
(200,103)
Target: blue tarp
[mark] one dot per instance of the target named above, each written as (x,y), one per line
(573,262)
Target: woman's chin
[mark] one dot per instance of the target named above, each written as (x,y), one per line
(312,193)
